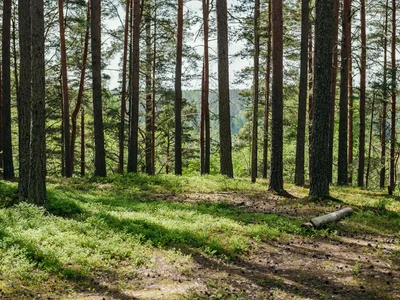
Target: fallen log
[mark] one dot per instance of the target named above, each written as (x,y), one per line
(321,221)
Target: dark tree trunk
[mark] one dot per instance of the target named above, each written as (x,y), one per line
(1,122)
(205,114)
(149,65)
(254,144)
(223,90)
(334,80)
(392,179)
(351,124)
(310,95)
(100,157)
(37,174)
(344,95)
(178,92)
(24,96)
(123,92)
(267,94)
(384,104)
(8,165)
(276,179)
(153,112)
(302,108)
(134,105)
(370,143)
(15,51)
(65,96)
(324,35)
(363,67)
(78,105)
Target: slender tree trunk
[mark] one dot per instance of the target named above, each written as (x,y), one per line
(6,93)
(267,93)
(178,92)
(370,143)
(202,122)
(324,36)
(363,67)
(344,94)
(78,105)
(65,97)
(149,67)
(153,112)
(83,159)
(310,96)
(100,157)
(392,181)
(276,180)
(254,146)
(15,52)
(134,105)
(302,108)
(205,118)
(37,174)
(24,96)
(350,120)
(1,122)
(123,92)
(384,104)
(334,81)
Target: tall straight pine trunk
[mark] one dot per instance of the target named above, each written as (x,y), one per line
(267,94)
(178,92)
(392,177)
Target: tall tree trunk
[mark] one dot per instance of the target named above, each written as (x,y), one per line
(254,144)
(302,108)
(37,174)
(334,80)
(363,67)
(100,156)
(344,94)
(153,112)
(15,51)
(78,105)
(178,92)
(392,183)
(276,180)
(6,93)
(351,124)
(123,92)
(223,90)
(1,122)
(65,97)
(370,142)
(324,36)
(267,93)
(384,104)
(149,67)
(83,159)
(24,96)
(134,99)
(310,96)
(205,118)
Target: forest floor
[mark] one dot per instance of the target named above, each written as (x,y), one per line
(191,237)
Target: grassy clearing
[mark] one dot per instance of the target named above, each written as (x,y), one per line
(117,225)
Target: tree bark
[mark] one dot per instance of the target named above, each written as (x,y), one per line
(65,96)
(149,67)
(332,217)
(153,113)
(344,95)
(223,90)
(37,174)
(24,96)
(384,104)
(134,105)
(310,96)
(81,89)
(370,142)
(363,67)
(276,179)
(123,92)
(178,92)
(267,93)
(100,157)
(392,181)
(8,165)
(83,159)
(324,35)
(302,106)
(254,145)
(350,122)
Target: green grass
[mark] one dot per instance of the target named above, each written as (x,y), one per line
(97,225)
